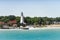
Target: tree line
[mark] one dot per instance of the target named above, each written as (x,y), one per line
(31,20)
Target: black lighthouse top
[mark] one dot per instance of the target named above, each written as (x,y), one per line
(21,13)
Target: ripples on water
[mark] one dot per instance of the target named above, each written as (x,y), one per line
(47,34)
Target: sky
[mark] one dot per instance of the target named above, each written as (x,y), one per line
(32,8)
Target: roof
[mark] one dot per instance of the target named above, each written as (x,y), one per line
(1,22)
(12,22)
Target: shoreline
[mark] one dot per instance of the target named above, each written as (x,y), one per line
(39,28)
(42,28)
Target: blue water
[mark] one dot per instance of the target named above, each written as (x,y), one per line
(48,34)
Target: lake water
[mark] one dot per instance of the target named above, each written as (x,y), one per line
(47,34)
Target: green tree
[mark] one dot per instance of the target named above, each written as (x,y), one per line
(18,19)
(28,20)
(11,17)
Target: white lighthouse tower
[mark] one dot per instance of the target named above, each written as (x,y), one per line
(22,20)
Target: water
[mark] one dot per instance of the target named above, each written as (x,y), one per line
(47,34)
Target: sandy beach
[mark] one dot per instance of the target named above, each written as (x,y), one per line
(37,28)
(42,28)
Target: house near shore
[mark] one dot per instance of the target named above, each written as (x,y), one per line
(1,23)
(12,23)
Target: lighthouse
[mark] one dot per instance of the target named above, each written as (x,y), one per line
(22,23)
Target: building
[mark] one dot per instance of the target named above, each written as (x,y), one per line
(22,23)
(1,23)
(12,23)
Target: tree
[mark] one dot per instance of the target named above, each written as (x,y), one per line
(58,19)
(18,19)
(28,20)
(1,17)
(5,19)
(36,20)
(11,17)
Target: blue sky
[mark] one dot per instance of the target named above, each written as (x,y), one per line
(42,8)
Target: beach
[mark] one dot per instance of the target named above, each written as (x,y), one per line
(36,28)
